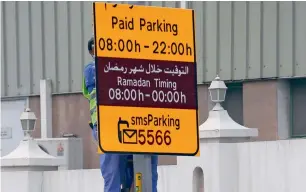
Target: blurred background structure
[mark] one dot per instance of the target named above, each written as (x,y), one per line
(258,48)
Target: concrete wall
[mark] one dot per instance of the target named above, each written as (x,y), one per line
(274,166)
(237,40)
(45,40)
(262,104)
(265,105)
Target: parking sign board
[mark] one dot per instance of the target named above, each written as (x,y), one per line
(146,79)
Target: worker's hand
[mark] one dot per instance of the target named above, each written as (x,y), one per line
(95,133)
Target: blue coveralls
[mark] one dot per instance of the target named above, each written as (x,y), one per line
(114,165)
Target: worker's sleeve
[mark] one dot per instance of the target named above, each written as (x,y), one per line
(94,132)
(90,76)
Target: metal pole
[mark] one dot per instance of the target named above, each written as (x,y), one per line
(142,163)
(184,4)
(142,173)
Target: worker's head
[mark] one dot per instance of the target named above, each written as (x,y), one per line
(91,47)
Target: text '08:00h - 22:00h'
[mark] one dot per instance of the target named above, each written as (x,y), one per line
(174,48)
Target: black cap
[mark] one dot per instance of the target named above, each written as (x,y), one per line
(90,44)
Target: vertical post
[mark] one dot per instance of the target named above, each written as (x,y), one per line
(46,108)
(142,163)
(142,173)
(184,4)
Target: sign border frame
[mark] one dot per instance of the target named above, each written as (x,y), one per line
(196,94)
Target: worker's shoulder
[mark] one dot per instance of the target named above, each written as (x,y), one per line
(90,65)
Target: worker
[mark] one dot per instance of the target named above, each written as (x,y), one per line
(112,166)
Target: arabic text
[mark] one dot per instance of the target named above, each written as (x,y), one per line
(152,69)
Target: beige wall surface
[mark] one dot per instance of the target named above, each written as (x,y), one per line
(71,115)
(259,100)
(260,108)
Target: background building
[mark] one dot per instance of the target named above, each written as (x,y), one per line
(259,48)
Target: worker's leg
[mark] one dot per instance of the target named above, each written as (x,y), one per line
(110,169)
(129,170)
(154,163)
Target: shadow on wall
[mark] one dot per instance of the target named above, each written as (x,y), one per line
(198,180)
